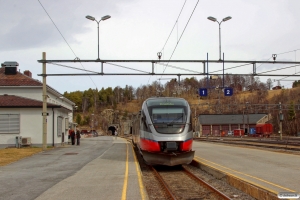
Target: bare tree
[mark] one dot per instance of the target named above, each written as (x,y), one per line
(269,84)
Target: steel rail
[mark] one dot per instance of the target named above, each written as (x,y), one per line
(205,184)
(163,183)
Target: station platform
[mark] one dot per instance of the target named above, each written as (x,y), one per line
(113,175)
(257,172)
(103,167)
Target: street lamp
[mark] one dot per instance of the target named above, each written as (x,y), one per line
(92,122)
(248,129)
(215,20)
(102,19)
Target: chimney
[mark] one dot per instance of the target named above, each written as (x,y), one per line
(10,67)
(28,73)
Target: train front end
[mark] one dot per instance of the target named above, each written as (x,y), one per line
(166,135)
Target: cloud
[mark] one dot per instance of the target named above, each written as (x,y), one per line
(27,25)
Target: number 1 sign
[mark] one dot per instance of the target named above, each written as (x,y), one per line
(203,92)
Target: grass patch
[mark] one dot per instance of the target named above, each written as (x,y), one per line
(10,155)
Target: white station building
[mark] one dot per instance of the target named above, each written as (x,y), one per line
(21,106)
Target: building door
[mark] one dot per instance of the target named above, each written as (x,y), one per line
(216,130)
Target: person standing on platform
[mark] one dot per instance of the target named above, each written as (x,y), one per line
(73,137)
(78,137)
(69,136)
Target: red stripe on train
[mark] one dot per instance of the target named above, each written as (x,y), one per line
(149,145)
(186,145)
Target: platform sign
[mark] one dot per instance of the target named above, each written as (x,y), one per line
(228,91)
(203,92)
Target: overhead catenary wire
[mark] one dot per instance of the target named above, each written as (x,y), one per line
(163,64)
(278,69)
(162,50)
(231,68)
(181,35)
(64,38)
(128,68)
(173,27)
(287,76)
(280,54)
(98,72)
(73,67)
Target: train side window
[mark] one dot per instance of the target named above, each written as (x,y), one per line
(144,124)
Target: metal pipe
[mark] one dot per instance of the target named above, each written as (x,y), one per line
(219,40)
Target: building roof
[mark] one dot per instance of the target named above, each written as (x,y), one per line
(230,119)
(18,79)
(12,101)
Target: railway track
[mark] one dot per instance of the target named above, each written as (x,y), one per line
(180,183)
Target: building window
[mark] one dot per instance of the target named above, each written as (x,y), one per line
(9,123)
(59,126)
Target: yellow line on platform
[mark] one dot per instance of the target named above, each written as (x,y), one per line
(273,184)
(138,170)
(126,176)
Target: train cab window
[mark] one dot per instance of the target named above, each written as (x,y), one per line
(169,116)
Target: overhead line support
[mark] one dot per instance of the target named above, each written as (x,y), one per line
(174,61)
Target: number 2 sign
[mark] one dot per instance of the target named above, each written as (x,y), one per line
(228,91)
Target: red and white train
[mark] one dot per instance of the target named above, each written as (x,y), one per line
(163,131)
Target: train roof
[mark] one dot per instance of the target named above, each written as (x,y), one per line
(166,101)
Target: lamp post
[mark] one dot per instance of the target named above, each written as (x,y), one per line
(248,129)
(223,20)
(102,19)
(243,119)
(92,122)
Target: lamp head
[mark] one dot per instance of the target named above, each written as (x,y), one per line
(90,17)
(212,18)
(226,19)
(105,17)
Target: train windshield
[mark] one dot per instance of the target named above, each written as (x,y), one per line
(168,116)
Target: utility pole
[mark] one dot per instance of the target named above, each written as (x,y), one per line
(195,121)
(281,119)
(244,119)
(247,119)
(44,113)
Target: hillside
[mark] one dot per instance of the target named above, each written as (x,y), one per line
(122,113)
(135,105)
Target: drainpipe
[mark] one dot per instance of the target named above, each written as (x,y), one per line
(53,127)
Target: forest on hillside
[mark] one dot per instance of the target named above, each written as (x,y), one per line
(95,101)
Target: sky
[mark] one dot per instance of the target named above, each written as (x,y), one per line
(139,29)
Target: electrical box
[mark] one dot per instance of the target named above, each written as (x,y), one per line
(214,77)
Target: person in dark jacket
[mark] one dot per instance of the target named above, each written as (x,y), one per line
(78,137)
(73,137)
